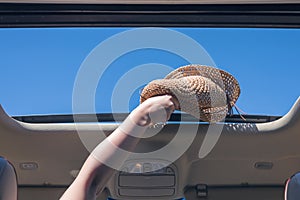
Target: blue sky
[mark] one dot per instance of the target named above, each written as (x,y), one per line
(39,66)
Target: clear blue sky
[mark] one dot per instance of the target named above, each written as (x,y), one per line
(39,66)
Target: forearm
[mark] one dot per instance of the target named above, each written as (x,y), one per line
(94,173)
(116,148)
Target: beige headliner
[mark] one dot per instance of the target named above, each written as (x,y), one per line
(154,1)
(57,149)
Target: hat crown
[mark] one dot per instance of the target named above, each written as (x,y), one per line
(220,77)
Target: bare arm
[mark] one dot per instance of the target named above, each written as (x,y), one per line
(94,175)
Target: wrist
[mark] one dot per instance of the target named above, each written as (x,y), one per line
(140,115)
(132,127)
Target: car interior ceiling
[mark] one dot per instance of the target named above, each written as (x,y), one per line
(252,159)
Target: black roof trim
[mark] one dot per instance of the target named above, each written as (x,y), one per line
(143,15)
(119,117)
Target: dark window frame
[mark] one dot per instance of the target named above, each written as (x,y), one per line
(143,15)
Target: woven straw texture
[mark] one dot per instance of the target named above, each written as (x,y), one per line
(205,92)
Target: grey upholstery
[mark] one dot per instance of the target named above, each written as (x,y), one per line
(8,181)
(292,188)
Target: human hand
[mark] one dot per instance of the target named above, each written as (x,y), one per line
(155,110)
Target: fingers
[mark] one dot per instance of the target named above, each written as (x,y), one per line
(160,108)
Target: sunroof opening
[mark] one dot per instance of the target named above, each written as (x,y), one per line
(41,66)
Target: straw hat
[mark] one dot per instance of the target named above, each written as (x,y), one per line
(205,92)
